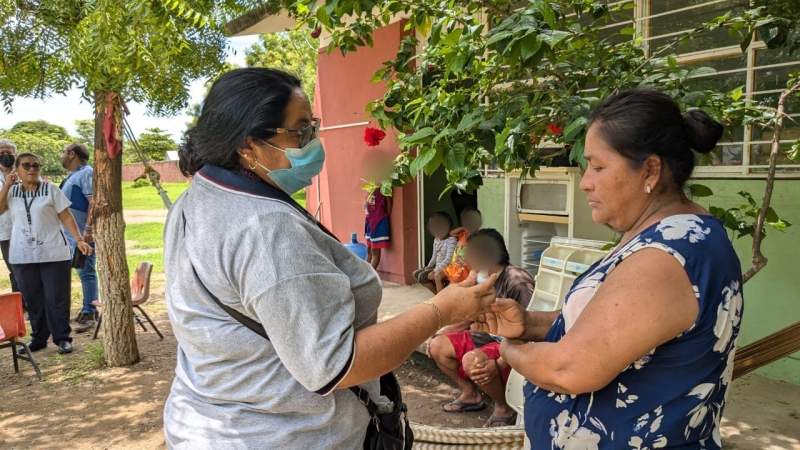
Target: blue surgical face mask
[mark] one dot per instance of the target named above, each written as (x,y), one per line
(306,163)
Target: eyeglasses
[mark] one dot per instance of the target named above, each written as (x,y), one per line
(306,134)
(31,167)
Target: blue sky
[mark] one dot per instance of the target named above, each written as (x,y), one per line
(66,109)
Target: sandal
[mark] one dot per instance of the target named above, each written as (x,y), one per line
(495,421)
(462,407)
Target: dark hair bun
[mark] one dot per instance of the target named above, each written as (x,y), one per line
(703,131)
(188,159)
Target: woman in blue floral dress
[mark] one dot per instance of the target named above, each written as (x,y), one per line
(641,355)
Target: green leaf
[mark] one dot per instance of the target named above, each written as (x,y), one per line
(553,37)
(497,37)
(575,128)
(422,159)
(548,14)
(576,153)
(737,94)
(531,45)
(470,120)
(420,136)
(771,216)
(323,17)
(699,190)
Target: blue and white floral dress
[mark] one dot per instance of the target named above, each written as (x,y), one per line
(673,396)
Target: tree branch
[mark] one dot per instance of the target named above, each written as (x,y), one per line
(759,260)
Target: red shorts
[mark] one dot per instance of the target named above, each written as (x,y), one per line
(462,344)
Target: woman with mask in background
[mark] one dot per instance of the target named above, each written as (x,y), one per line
(8,153)
(239,250)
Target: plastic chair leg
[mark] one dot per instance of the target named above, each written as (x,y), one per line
(150,321)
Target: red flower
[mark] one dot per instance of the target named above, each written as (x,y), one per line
(552,128)
(317,31)
(373,136)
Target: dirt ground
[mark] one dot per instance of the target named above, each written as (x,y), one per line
(81,405)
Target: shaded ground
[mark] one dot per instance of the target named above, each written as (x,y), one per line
(80,405)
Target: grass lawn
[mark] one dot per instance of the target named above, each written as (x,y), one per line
(147,198)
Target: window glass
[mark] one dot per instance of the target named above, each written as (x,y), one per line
(759,154)
(684,21)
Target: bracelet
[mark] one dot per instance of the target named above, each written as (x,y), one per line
(437,311)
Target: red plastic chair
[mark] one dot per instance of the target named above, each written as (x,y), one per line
(140,294)
(12,320)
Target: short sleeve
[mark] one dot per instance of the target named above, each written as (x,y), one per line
(290,282)
(60,201)
(86,181)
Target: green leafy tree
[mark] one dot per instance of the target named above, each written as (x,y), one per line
(134,50)
(293,51)
(84,130)
(43,139)
(41,128)
(155,143)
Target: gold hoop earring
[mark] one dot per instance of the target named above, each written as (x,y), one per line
(648,189)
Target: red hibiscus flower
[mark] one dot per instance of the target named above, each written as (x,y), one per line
(553,128)
(373,136)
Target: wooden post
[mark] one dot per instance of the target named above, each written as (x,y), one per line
(119,335)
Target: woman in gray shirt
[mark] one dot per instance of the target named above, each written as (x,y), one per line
(236,234)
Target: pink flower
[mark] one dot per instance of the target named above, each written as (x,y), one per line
(373,136)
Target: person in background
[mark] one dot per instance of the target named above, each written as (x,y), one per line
(8,153)
(376,227)
(471,221)
(642,353)
(472,359)
(432,276)
(78,189)
(39,252)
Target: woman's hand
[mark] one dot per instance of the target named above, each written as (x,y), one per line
(85,248)
(504,318)
(11,179)
(465,300)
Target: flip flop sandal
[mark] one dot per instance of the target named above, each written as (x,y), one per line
(495,421)
(462,407)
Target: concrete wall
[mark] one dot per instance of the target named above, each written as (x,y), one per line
(168,169)
(491,203)
(343,91)
(772,297)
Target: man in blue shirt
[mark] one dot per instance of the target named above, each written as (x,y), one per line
(79,190)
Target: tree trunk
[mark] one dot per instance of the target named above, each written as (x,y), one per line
(119,335)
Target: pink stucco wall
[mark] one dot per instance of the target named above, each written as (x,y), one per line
(342,92)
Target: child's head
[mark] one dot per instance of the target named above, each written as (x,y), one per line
(486,249)
(471,219)
(439,224)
